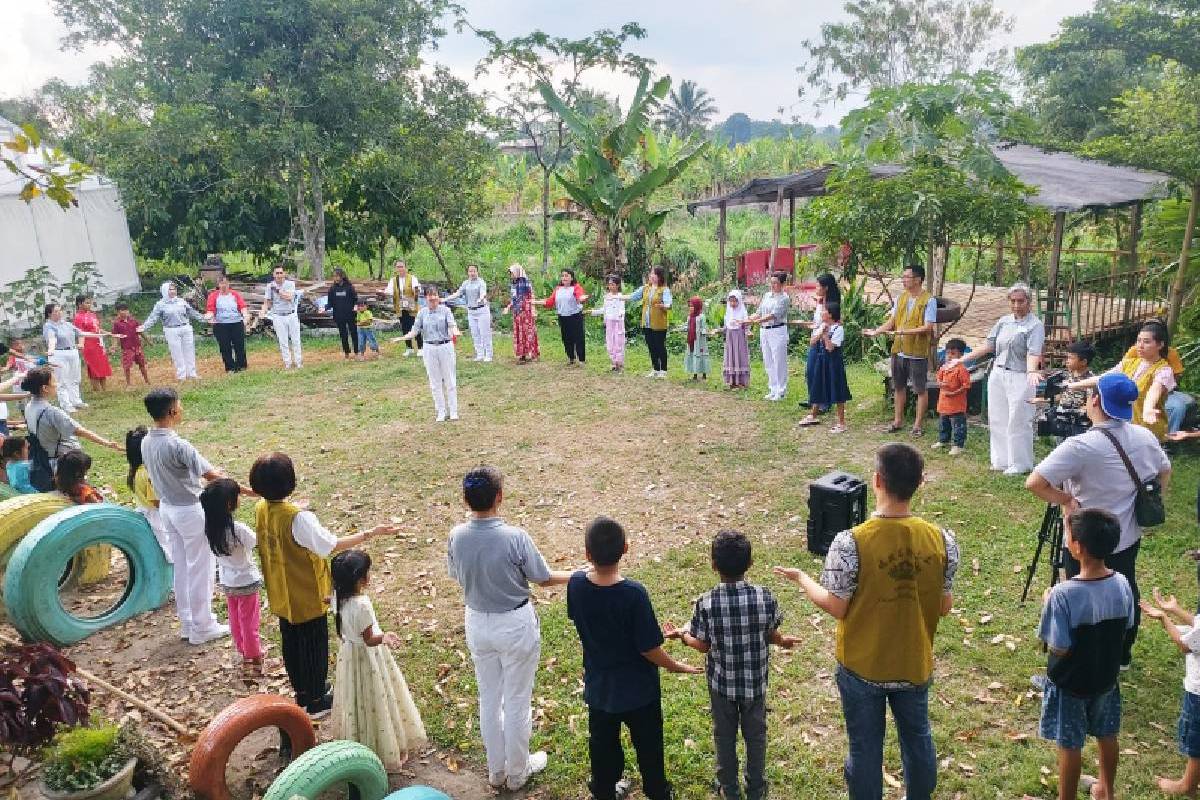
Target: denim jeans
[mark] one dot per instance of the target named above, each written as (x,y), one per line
(864,706)
(956,424)
(1176,406)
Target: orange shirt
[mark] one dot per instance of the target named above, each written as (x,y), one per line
(955,382)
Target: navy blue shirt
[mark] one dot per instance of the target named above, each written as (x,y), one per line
(616,624)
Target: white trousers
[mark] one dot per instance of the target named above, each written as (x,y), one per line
(195,568)
(443,383)
(68,375)
(505,648)
(480,321)
(774,342)
(1010,420)
(154,517)
(181,342)
(287,331)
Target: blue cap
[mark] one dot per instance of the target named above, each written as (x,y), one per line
(1117,395)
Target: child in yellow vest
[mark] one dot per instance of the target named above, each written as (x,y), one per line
(294,550)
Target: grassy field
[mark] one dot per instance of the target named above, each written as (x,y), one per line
(674,461)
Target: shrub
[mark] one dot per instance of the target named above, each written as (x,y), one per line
(82,758)
(39,693)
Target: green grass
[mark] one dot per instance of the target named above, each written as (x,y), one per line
(674,461)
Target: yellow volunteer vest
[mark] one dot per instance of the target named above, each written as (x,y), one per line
(887,634)
(1129,367)
(913,345)
(403,290)
(296,579)
(653,317)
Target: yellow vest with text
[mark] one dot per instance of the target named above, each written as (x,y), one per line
(912,345)
(887,633)
(403,289)
(653,317)
(296,578)
(1129,367)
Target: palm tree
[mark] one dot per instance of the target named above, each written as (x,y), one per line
(687,110)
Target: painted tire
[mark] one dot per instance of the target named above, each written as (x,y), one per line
(233,724)
(328,765)
(7,492)
(18,515)
(418,793)
(31,580)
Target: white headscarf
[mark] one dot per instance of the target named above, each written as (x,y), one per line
(517,271)
(165,289)
(734,315)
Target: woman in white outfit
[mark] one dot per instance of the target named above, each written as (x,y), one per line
(175,312)
(61,351)
(479,314)
(772,317)
(1016,340)
(436,326)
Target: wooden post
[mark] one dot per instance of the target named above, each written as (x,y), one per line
(1135,233)
(775,230)
(1180,283)
(1000,261)
(1023,252)
(1060,221)
(792,223)
(721,237)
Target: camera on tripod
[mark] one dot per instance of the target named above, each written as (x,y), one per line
(1054,419)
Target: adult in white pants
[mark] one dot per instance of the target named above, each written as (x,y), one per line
(435,324)
(282,305)
(772,318)
(62,339)
(1016,340)
(479,314)
(494,563)
(178,471)
(176,315)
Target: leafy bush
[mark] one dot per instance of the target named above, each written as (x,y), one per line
(39,693)
(82,758)
(859,313)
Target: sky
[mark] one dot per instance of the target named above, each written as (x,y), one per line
(744,52)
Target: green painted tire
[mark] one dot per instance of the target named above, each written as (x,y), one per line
(327,765)
(31,580)
(7,491)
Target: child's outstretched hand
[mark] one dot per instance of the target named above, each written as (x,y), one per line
(391,639)
(382,530)
(1168,603)
(686,669)
(790,573)
(670,631)
(1151,611)
(787,641)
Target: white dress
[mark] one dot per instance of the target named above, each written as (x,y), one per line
(371,703)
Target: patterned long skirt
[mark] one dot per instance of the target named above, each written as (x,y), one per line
(737,358)
(525,338)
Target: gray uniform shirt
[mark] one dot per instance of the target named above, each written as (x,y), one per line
(279,306)
(434,326)
(775,304)
(174,313)
(494,563)
(176,468)
(1014,339)
(65,334)
(474,291)
(55,430)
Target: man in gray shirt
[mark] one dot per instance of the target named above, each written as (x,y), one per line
(281,304)
(1087,471)
(177,472)
(495,563)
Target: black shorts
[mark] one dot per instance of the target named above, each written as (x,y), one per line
(910,370)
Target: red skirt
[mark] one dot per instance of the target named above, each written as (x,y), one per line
(96,359)
(525,339)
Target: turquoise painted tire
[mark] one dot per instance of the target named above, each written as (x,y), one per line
(328,765)
(7,491)
(31,579)
(418,793)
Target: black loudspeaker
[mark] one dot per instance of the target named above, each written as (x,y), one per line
(836,502)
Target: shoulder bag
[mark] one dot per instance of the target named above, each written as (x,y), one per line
(1148,507)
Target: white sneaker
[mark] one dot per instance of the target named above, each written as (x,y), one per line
(769,396)
(537,763)
(454,417)
(662,373)
(82,405)
(487,360)
(219,632)
(1015,471)
(652,373)
(956,451)
(497,781)
(937,446)
(440,418)
(408,353)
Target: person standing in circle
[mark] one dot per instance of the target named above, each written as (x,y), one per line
(436,324)
(911,323)
(655,297)
(525,338)
(54,428)
(404,289)
(341,300)
(736,369)
(94,354)
(282,305)
(61,337)
(772,317)
(827,291)
(175,313)
(229,317)
(567,299)
(479,314)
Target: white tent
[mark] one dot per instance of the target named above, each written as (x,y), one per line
(40,232)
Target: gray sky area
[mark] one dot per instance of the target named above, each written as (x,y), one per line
(745,52)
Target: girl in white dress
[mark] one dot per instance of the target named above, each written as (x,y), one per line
(371,703)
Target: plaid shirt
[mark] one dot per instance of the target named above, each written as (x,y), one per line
(736,620)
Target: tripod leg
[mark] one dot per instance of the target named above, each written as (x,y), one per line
(1045,533)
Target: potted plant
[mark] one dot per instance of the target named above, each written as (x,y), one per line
(88,764)
(39,693)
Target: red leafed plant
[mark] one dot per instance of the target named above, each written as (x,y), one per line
(39,693)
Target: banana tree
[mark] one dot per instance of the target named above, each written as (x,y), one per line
(619,168)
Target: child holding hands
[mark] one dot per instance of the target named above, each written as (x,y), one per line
(1184,630)
(954,381)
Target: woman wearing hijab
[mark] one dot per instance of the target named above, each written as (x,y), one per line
(525,339)
(176,314)
(736,371)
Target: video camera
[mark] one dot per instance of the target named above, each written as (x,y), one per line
(1054,420)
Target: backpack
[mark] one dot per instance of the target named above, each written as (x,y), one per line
(41,474)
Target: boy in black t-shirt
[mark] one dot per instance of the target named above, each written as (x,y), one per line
(622,651)
(1084,621)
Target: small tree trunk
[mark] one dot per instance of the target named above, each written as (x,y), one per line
(438,254)
(1179,285)
(318,200)
(382,254)
(311,212)
(545,219)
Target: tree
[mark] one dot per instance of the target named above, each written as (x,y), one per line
(618,170)
(888,43)
(1159,129)
(538,58)
(688,110)
(1142,30)
(300,86)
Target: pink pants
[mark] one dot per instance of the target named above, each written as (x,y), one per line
(243,625)
(614,340)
